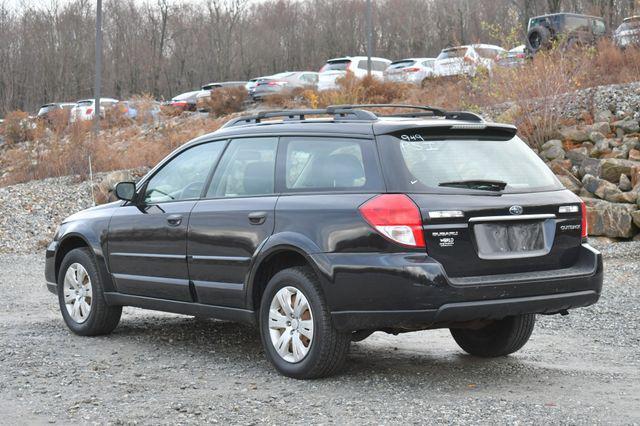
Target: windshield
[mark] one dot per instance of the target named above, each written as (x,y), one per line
(336,65)
(457,52)
(425,165)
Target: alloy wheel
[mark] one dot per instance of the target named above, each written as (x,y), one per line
(291,324)
(78,293)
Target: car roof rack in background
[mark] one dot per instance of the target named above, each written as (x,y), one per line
(354,112)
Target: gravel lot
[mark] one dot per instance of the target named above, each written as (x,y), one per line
(161,368)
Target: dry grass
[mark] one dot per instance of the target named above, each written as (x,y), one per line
(226,101)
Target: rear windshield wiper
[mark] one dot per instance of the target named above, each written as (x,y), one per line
(484,185)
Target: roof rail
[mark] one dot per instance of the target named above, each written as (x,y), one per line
(353,112)
(424,111)
(300,114)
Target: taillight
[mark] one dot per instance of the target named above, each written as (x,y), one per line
(521,56)
(276,83)
(411,69)
(583,226)
(89,111)
(396,217)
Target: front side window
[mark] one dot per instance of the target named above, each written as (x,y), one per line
(445,164)
(246,169)
(314,164)
(184,176)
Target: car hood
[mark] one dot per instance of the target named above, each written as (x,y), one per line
(94,212)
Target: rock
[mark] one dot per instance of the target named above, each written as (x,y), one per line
(590,166)
(612,168)
(601,127)
(610,219)
(578,155)
(601,148)
(573,133)
(632,142)
(627,125)
(553,153)
(603,116)
(619,152)
(570,182)
(614,142)
(560,167)
(634,155)
(596,137)
(635,216)
(608,191)
(583,193)
(624,183)
(552,143)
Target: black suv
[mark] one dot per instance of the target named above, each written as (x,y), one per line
(568,29)
(323,226)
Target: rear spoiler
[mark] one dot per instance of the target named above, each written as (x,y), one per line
(448,130)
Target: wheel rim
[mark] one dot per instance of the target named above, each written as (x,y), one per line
(291,324)
(78,292)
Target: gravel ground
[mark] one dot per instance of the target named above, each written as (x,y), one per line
(161,368)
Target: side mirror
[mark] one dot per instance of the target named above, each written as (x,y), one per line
(126,191)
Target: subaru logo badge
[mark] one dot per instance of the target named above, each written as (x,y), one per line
(515,209)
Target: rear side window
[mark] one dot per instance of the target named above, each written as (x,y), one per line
(425,165)
(336,66)
(457,52)
(328,164)
(246,169)
(401,64)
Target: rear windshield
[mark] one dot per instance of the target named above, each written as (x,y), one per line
(336,65)
(84,103)
(424,165)
(401,64)
(457,52)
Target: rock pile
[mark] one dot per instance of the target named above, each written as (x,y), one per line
(601,163)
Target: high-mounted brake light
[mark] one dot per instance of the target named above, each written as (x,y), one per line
(584,225)
(396,217)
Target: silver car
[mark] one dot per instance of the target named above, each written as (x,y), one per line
(284,83)
(410,70)
(628,33)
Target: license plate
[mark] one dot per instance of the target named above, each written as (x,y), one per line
(503,240)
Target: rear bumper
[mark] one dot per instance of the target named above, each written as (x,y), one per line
(412,291)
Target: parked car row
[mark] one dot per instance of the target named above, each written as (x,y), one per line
(85,109)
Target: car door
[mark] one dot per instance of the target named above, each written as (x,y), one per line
(233,220)
(147,240)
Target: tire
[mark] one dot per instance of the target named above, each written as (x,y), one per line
(325,352)
(538,38)
(501,338)
(101,318)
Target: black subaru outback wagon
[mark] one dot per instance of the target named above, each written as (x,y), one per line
(323,226)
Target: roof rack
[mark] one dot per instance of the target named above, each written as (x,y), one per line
(300,114)
(423,111)
(353,112)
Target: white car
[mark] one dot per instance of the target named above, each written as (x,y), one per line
(628,33)
(410,70)
(85,109)
(338,67)
(465,60)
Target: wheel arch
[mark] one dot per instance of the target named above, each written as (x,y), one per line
(281,252)
(74,240)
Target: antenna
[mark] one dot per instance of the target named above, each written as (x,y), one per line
(93,198)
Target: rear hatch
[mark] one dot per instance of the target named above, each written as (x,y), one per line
(489,205)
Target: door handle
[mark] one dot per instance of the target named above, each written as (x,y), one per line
(174,220)
(257,218)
